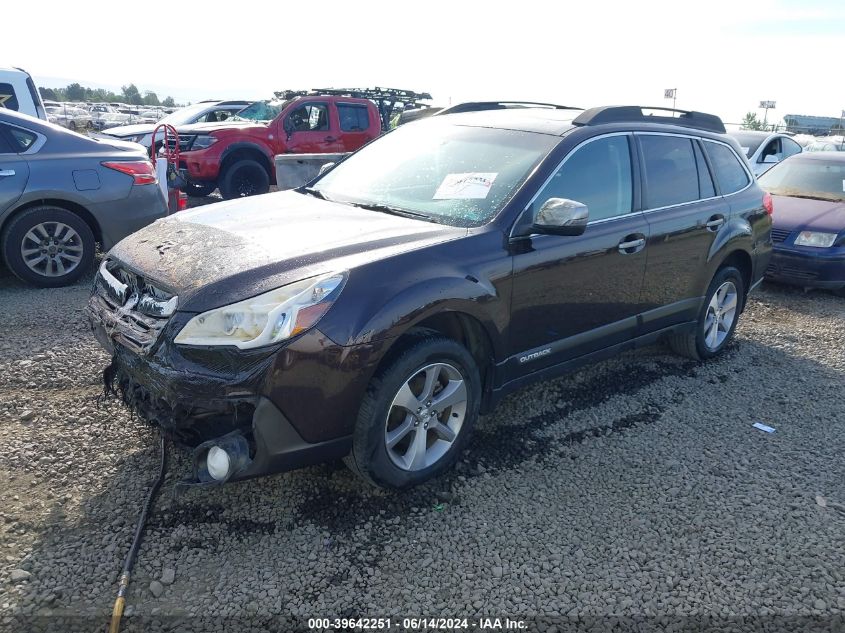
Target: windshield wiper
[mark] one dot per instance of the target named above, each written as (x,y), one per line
(312,192)
(386,208)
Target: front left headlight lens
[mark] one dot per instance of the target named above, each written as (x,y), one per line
(203,141)
(812,238)
(268,318)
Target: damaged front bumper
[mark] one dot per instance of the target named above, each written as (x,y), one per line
(224,397)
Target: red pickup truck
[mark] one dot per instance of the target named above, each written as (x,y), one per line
(237,156)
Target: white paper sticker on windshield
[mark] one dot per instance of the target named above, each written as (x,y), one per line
(843,185)
(465,186)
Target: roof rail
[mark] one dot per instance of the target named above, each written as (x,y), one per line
(629,114)
(478,106)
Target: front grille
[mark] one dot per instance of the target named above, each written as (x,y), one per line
(185,142)
(780,235)
(791,272)
(132,310)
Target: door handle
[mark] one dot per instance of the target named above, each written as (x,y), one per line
(5,173)
(715,222)
(330,139)
(632,246)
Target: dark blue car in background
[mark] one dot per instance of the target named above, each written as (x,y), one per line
(808,231)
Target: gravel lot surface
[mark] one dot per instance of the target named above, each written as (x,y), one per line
(636,487)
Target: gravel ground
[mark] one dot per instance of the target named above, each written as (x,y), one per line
(636,487)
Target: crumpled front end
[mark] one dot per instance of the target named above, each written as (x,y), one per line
(213,399)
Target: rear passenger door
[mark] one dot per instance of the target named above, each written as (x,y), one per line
(14,169)
(684,214)
(354,125)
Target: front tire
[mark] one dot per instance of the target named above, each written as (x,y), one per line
(199,189)
(717,319)
(244,178)
(48,246)
(417,414)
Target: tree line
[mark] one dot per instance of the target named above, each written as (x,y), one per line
(129,94)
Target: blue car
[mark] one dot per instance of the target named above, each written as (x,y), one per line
(808,231)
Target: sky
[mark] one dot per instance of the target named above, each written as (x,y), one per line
(723,56)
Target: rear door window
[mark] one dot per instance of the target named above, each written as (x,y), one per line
(671,175)
(5,145)
(353,118)
(730,173)
(598,175)
(8,98)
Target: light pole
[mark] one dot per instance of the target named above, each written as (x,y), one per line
(766,105)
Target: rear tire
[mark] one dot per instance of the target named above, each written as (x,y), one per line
(398,446)
(48,246)
(717,319)
(244,178)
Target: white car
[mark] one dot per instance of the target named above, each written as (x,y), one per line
(765,149)
(202,112)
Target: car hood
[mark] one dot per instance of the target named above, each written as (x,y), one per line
(130,130)
(803,213)
(230,251)
(205,128)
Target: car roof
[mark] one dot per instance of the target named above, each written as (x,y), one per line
(560,121)
(540,120)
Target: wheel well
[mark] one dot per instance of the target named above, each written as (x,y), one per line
(73,207)
(464,329)
(742,262)
(251,154)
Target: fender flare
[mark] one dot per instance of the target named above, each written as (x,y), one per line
(431,297)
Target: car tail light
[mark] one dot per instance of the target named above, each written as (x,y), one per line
(182,204)
(142,171)
(768,205)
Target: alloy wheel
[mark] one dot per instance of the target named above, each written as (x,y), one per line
(425,417)
(721,314)
(51,249)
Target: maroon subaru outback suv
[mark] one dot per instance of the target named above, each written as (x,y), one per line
(375,313)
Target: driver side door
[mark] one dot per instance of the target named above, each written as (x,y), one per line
(311,128)
(573,295)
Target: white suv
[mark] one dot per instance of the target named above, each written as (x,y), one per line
(18,92)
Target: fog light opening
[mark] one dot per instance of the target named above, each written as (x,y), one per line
(220,459)
(218,463)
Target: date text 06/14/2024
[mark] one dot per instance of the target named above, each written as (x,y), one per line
(417,624)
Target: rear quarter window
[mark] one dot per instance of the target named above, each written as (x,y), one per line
(730,174)
(8,98)
(22,139)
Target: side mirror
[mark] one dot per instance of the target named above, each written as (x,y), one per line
(559,216)
(325,167)
(771,159)
(288,127)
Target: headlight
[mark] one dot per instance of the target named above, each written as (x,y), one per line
(202,141)
(819,240)
(265,319)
